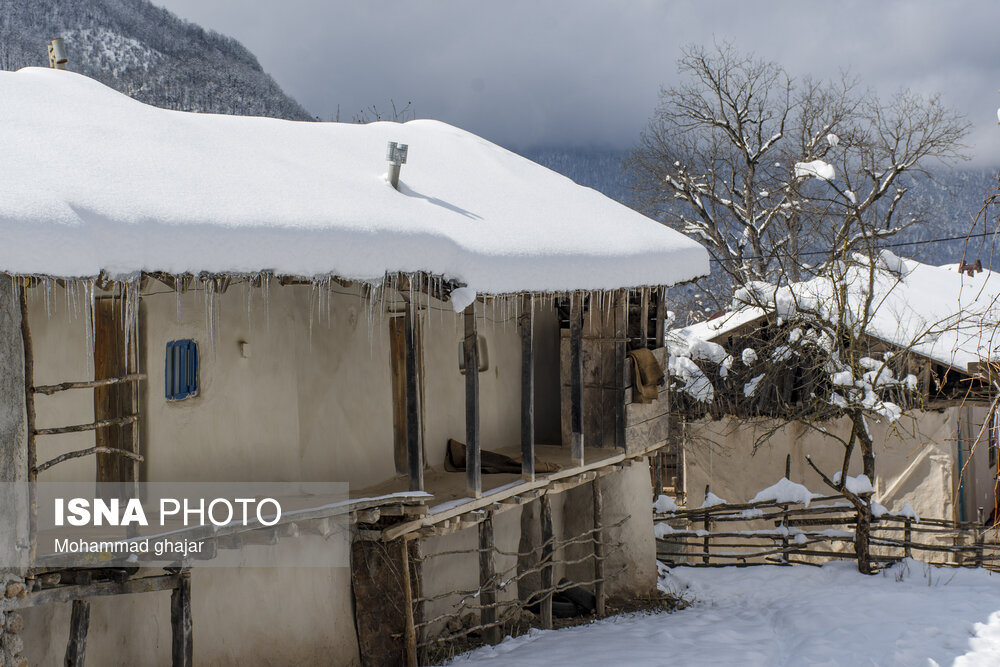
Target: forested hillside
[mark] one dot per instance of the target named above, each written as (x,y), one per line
(145,52)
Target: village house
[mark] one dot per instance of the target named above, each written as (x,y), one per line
(201,298)
(933,325)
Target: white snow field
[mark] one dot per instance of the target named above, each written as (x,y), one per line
(93,180)
(911,614)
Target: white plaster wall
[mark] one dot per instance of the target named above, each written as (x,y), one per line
(242,616)
(914,460)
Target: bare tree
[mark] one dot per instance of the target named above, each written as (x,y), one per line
(732,155)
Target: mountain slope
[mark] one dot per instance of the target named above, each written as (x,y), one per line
(145,52)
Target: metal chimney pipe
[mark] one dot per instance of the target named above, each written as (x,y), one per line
(57,54)
(396,155)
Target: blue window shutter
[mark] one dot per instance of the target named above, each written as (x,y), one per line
(180,372)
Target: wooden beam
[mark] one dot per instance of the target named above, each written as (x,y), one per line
(644,319)
(661,315)
(546,577)
(470,346)
(414,448)
(621,354)
(76,649)
(576,376)
(99,589)
(409,631)
(29,405)
(599,570)
(182,637)
(527,390)
(487,579)
(50,389)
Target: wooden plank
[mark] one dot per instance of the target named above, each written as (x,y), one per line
(599,569)
(470,346)
(181,625)
(546,574)
(76,649)
(409,631)
(397,368)
(414,447)
(527,390)
(576,377)
(487,578)
(114,404)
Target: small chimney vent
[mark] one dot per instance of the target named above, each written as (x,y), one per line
(970,269)
(57,54)
(396,155)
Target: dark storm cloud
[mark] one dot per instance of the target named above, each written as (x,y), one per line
(573,72)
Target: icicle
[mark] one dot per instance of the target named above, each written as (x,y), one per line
(210,310)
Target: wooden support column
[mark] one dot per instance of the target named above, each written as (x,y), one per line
(547,539)
(470,345)
(599,569)
(644,319)
(487,579)
(527,390)
(576,376)
(76,649)
(29,406)
(409,632)
(181,639)
(661,315)
(621,355)
(414,447)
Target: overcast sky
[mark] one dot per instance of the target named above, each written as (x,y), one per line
(586,73)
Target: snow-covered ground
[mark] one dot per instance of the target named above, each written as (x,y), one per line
(911,614)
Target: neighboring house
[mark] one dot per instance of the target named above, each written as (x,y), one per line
(335,319)
(934,325)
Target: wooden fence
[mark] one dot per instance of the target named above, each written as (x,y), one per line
(824,529)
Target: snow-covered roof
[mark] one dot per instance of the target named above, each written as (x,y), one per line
(936,311)
(92,180)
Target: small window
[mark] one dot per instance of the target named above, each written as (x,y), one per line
(484,359)
(180,372)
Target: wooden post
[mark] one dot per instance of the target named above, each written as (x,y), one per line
(907,551)
(621,352)
(576,376)
(980,532)
(182,640)
(661,315)
(470,346)
(414,448)
(487,579)
(76,649)
(527,390)
(409,632)
(644,319)
(599,569)
(708,528)
(29,405)
(547,540)
(784,514)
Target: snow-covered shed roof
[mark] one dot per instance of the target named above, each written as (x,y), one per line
(936,311)
(92,180)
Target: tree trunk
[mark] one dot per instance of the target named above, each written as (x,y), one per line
(862,532)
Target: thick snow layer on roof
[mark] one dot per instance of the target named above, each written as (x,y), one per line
(92,180)
(938,312)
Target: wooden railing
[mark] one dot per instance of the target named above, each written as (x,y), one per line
(793,532)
